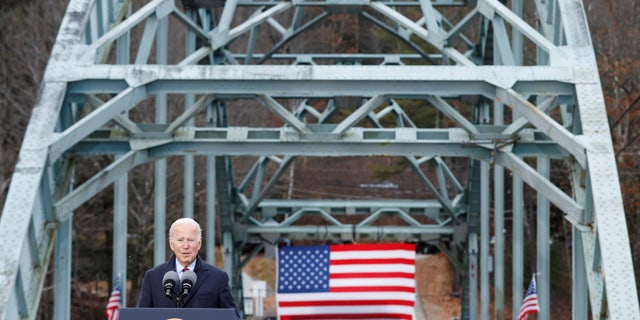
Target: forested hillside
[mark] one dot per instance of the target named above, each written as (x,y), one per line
(28,31)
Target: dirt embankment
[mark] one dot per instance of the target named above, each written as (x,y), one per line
(434,279)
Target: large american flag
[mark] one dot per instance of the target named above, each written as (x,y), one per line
(113,306)
(352,281)
(530,301)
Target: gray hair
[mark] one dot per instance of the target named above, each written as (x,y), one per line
(185,221)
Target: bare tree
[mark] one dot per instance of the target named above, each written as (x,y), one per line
(615,28)
(28,33)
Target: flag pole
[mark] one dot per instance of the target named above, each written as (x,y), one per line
(530,300)
(112,311)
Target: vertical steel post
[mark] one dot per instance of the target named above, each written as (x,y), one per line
(498,211)
(579,298)
(543,247)
(120,205)
(160,168)
(212,191)
(211,210)
(473,276)
(62,272)
(485,257)
(517,245)
(120,198)
(189,100)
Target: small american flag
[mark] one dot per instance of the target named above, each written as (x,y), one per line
(355,281)
(113,306)
(530,302)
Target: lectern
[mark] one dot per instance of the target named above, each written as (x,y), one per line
(177,313)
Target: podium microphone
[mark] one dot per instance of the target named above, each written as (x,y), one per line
(169,282)
(188,281)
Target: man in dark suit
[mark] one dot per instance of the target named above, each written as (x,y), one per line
(211,288)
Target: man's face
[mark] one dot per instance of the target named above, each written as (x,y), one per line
(185,243)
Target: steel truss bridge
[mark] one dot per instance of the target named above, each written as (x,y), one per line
(516,84)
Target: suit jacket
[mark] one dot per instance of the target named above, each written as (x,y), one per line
(211,289)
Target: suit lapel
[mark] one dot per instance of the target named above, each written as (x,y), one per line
(202,273)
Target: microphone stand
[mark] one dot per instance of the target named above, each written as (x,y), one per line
(178,299)
(175,298)
(179,302)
